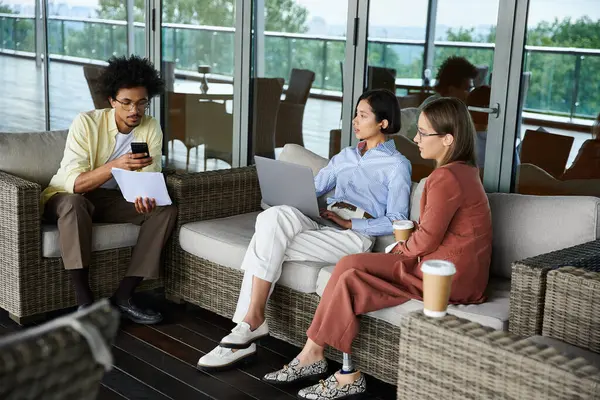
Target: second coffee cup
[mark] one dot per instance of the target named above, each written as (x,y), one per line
(437,283)
(403,229)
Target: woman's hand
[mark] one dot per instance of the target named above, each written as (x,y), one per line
(330,215)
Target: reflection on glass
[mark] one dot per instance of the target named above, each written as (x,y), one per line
(198,65)
(81,38)
(558,148)
(300,74)
(21,79)
(462,60)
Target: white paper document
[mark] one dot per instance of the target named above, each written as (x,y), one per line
(142,184)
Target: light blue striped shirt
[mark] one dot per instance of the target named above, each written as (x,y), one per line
(378,182)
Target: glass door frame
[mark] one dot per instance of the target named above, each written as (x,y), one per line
(502,127)
(241,80)
(506,81)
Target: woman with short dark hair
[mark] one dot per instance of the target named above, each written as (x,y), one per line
(455,225)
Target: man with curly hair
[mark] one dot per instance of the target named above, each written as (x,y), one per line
(84,191)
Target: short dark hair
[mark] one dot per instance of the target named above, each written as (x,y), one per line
(129,72)
(384,105)
(450,115)
(453,72)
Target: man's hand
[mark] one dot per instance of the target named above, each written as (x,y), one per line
(132,162)
(330,215)
(144,205)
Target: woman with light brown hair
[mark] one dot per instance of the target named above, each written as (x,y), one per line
(455,225)
(587,162)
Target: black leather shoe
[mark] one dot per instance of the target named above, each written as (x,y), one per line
(137,315)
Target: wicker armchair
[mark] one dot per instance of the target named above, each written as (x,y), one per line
(461,359)
(452,358)
(31,285)
(62,359)
(529,281)
(571,307)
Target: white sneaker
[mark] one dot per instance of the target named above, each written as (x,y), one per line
(221,358)
(241,336)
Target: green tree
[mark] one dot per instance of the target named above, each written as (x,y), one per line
(189,48)
(553,76)
(5,9)
(23,38)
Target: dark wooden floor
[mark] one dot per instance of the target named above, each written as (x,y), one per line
(159,362)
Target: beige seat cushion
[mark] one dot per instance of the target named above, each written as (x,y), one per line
(526,226)
(34,156)
(569,349)
(104,237)
(224,241)
(494,313)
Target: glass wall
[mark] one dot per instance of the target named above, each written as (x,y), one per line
(398,43)
(556,150)
(81,38)
(22,103)
(297,80)
(198,64)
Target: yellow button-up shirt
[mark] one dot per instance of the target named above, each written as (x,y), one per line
(90,143)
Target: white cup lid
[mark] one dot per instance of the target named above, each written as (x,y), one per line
(438,267)
(407,224)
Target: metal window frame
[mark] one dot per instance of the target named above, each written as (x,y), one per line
(506,82)
(429,48)
(154,51)
(45,59)
(355,65)
(241,82)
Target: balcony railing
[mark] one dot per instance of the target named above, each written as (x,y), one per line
(563,82)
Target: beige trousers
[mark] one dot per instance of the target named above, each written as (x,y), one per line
(75,213)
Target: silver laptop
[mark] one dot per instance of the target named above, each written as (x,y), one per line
(283,183)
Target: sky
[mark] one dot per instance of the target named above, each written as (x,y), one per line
(413,12)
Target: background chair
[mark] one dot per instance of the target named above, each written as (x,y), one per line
(266,101)
(92,75)
(381,78)
(56,361)
(291,109)
(548,151)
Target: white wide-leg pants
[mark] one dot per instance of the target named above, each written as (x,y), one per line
(282,234)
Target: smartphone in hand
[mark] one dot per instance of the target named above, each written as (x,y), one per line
(140,147)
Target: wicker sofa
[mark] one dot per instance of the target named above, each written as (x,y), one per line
(463,359)
(217,211)
(64,359)
(32,277)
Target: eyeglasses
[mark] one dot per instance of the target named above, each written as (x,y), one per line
(422,134)
(129,105)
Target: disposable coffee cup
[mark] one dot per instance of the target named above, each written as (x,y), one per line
(437,281)
(403,229)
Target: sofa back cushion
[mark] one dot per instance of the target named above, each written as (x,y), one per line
(526,226)
(34,156)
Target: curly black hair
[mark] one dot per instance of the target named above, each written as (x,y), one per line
(453,72)
(129,72)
